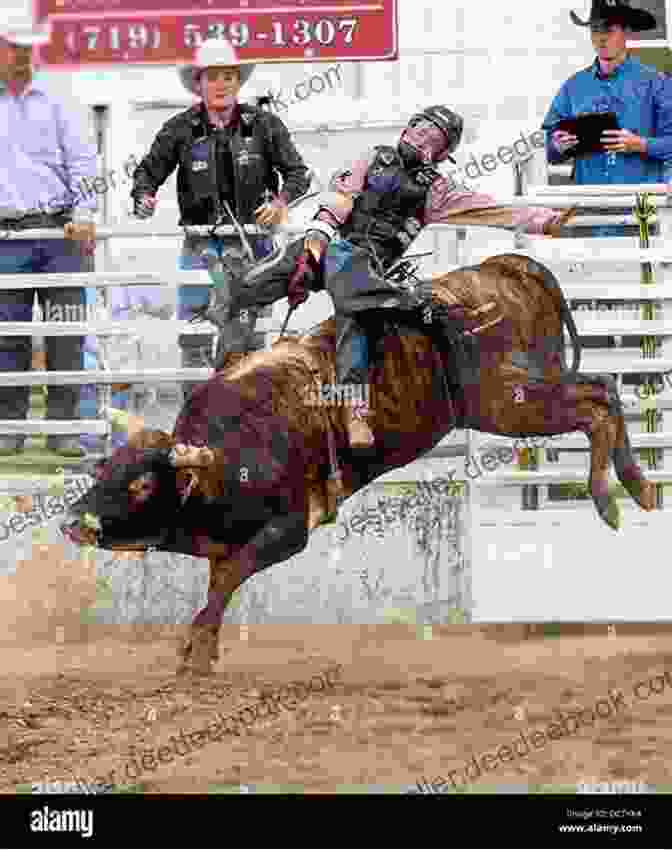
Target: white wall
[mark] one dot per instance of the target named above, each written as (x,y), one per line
(504,60)
(493,62)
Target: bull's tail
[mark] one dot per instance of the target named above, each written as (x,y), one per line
(551,285)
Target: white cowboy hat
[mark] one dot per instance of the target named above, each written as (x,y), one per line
(25,36)
(213,51)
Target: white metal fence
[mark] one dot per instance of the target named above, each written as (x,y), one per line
(561,255)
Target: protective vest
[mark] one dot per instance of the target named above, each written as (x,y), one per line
(229,164)
(388,213)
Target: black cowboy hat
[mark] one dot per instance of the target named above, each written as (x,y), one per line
(616,12)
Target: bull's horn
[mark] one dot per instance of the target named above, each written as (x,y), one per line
(187,455)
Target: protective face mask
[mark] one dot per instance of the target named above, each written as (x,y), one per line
(422,143)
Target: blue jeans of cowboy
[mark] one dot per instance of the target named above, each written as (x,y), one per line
(352,362)
(43,256)
(196,349)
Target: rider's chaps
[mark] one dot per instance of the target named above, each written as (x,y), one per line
(353,289)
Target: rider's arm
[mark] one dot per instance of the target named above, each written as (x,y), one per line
(446,205)
(336,205)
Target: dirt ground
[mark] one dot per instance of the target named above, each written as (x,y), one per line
(74,702)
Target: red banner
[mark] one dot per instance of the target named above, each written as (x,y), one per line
(109,32)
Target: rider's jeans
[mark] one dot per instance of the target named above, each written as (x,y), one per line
(197,350)
(339,259)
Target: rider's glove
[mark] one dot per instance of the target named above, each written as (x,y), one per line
(298,287)
(144,206)
(306,271)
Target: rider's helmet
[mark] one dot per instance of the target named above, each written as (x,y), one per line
(450,123)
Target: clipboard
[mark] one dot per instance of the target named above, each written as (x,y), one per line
(588,128)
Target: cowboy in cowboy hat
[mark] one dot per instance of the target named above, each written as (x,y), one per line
(226,153)
(639,95)
(605,12)
(16,69)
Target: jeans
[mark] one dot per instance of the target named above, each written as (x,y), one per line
(197,350)
(354,344)
(43,256)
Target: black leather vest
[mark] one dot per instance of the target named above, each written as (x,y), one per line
(388,213)
(230,164)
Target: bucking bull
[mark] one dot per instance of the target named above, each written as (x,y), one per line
(244,478)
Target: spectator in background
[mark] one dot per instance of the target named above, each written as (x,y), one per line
(224,151)
(46,155)
(641,97)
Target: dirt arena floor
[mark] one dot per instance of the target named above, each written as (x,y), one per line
(81,701)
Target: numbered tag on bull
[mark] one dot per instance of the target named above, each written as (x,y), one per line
(261,466)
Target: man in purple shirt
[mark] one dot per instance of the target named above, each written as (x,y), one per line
(47,164)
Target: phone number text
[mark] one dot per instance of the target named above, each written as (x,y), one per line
(325,32)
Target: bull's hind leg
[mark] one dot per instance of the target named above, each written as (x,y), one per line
(577,405)
(627,470)
(595,409)
(278,540)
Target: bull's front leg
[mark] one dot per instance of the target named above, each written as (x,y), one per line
(278,540)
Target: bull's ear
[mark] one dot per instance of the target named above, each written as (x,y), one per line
(150,439)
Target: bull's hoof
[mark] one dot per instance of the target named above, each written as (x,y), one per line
(198,653)
(183,655)
(201,663)
(644,493)
(608,509)
(632,478)
(197,665)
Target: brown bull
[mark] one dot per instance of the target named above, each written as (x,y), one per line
(242,480)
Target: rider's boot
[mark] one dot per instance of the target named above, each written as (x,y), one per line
(352,386)
(360,434)
(237,338)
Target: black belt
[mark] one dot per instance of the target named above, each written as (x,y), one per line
(37,220)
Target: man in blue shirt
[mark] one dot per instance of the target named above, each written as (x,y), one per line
(641,97)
